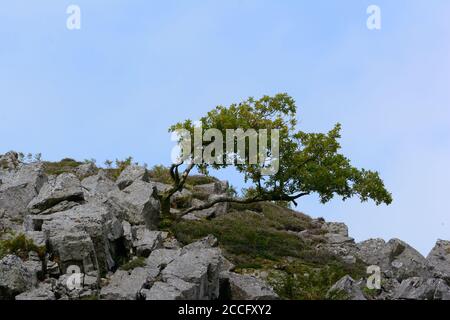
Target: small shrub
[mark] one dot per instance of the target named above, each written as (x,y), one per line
(132,264)
(20,246)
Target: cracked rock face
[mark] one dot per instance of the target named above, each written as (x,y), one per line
(439,259)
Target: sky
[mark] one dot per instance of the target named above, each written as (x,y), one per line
(112,88)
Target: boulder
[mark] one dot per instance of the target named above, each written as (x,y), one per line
(19,187)
(346,289)
(335,228)
(131,174)
(136,204)
(417,288)
(439,259)
(15,278)
(86,169)
(9,161)
(173,289)
(246,287)
(81,228)
(145,241)
(200,267)
(65,187)
(98,186)
(396,258)
(125,285)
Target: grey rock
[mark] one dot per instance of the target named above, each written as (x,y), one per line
(246,287)
(336,228)
(396,258)
(9,161)
(206,243)
(173,289)
(200,267)
(160,258)
(86,169)
(125,285)
(417,288)
(65,187)
(76,229)
(98,186)
(42,292)
(19,187)
(439,259)
(131,174)
(136,204)
(346,288)
(15,278)
(145,241)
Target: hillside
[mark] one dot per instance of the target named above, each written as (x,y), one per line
(71,230)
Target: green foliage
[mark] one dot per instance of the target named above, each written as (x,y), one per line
(133,264)
(300,281)
(247,236)
(160,173)
(66,165)
(308,162)
(20,246)
(120,166)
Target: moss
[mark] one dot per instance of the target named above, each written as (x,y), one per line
(196,180)
(132,264)
(20,246)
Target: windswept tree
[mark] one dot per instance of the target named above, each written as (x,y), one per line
(305,163)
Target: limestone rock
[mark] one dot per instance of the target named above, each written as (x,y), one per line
(131,174)
(439,259)
(136,204)
(346,289)
(65,187)
(15,278)
(246,287)
(423,289)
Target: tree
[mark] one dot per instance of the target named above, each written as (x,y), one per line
(308,162)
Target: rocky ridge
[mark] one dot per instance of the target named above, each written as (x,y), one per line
(89,235)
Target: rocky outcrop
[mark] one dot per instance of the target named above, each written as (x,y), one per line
(423,289)
(65,187)
(136,204)
(15,278)
(246,287)
(132,174)
(439,259)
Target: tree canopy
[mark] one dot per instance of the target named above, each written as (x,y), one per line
(307,163)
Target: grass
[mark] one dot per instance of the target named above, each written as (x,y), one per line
(20,246)
(65,165)
(132,264)
(260,241)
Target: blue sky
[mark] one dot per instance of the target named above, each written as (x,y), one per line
(113,88)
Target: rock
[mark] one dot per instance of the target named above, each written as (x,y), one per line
(9,161)
(98,186)
(206,243)
(160,258)
(86,170)
(62,206)
(131,174)
(439,259)
(246,287)
(346,289)
(335,238)
(15,278)
(199,267)
(136,204)
(395,258)
(211,188)
(336,228)
(417,288)
(42,292)
(145,241)
(125,285)
(71,235)
(19,187)
(65,187)
(173,289)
